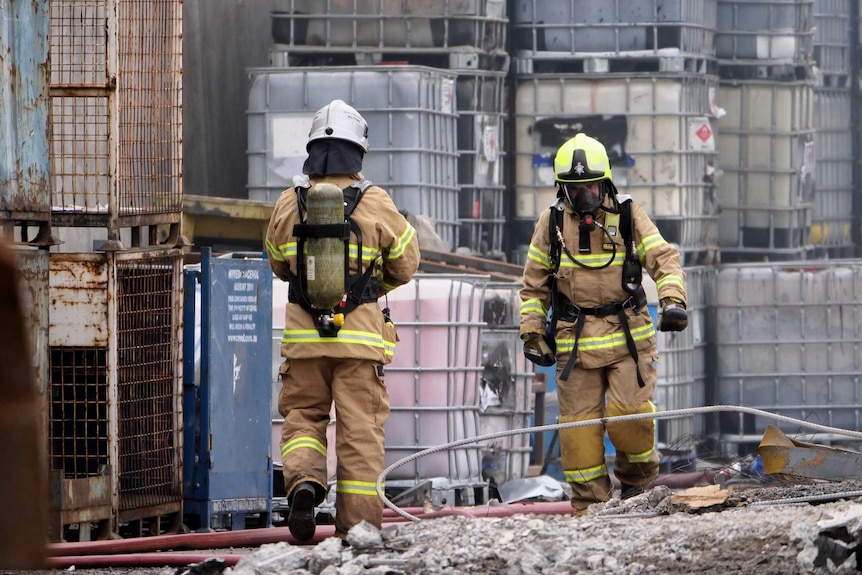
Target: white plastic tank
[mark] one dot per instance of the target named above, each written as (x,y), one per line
(831,218)
(613,26)
(787,341)
(411,116)
(388,25)
(766,148)
(659,131)
(433,380)
(768,30)
(480,98)
(505,393)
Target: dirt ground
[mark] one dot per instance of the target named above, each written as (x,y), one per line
(778,529)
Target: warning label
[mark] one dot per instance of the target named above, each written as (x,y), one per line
(701,138)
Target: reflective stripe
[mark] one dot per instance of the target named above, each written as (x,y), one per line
(344,336)
(389,348)
(405,239)
(643,457)
(356,487)
(669,280)
(533,305)
(639,457)
(615,339)
(593,260)
(584,475)
(539,256)
(273,251)
(649,243)
(299,442)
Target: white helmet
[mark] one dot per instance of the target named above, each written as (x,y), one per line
(340,121)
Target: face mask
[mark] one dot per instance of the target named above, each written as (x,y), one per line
(585,198)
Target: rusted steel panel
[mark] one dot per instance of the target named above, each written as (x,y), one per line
(78,292)
(24,101)
(785,456)
(23,479)
(32,266)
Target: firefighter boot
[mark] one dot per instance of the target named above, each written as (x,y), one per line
(629,491)
(301,521)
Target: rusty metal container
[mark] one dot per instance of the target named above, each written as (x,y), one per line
(114,411)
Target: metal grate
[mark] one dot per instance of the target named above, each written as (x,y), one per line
(148,382)
(116,87)
(78,417)
(150,70)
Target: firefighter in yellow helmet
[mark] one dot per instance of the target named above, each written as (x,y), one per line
(334,351)
(584,266)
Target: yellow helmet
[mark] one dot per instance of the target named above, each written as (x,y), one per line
(582,159)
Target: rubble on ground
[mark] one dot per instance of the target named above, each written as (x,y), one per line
(655,532)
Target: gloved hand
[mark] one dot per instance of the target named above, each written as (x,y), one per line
(537,350)
(673,316)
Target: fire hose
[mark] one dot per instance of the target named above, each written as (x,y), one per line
(149,551)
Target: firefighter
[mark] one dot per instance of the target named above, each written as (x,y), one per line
(583,308)
(338,354)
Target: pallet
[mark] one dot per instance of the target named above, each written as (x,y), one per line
(450,59)
(765,70)
(836,80)
(634,62)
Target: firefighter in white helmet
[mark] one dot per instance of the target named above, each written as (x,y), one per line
(584,266)
(336,351)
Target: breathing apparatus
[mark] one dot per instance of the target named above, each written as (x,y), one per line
(323,285)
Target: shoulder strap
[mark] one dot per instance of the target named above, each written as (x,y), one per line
(555,222)
(352,194)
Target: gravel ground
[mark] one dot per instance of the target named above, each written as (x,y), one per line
(754,530)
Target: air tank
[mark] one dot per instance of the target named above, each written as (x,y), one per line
(324,262)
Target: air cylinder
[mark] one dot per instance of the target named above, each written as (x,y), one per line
(325,256)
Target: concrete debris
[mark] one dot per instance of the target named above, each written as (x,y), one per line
(840,538)
(644,534)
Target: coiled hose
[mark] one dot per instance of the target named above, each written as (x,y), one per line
(670,414)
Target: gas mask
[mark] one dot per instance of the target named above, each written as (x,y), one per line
(586,198)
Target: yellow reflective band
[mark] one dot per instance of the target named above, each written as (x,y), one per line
(607,341)
(669,280)
(403,240)
(639,457)
(584,475)
(299,442)
(533,305)
(356,487)
(389,348)
(368,254)
(593,260)
(273,251)
(539,256)
(649,243)
(344,336)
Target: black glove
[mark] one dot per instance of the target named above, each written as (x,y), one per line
(673,316)
(537,350)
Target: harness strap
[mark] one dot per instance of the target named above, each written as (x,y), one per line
(600,311)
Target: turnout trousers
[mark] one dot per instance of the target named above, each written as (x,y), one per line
(309,387)
(605,392)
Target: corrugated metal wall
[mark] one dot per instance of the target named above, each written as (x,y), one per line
(221,39)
